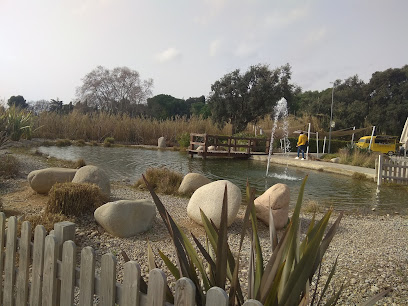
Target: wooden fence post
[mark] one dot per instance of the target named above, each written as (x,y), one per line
(87,280)
(156,290)
(68,273)
(379,172)
(23,264)
(185,292)
(9,265)
(216,296)
(49,290)
(2,233)
(108,280)
(131,284)
(38,264)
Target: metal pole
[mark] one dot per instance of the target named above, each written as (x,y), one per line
(317,144)
(371,139)
(308,140)
(331,118)
(352,137)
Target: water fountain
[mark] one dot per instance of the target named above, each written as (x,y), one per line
(280,111)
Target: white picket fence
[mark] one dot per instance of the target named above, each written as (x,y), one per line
(392,171)
(47,273)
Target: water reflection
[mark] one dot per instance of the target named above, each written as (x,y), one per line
(328,190)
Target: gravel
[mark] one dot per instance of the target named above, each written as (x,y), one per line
(372,250)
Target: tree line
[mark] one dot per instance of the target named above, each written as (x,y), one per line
(245,97)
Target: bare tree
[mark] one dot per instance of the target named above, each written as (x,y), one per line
(114,90)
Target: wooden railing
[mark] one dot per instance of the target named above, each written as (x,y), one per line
(226,145)
(53,266)
(392,171)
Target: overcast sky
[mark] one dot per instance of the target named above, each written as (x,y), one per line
(48,46)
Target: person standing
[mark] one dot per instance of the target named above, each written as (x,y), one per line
(301,145)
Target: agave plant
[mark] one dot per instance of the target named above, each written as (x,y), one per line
(284,280)
(17,123)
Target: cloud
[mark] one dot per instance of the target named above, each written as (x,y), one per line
(215,47)
(316,36)
(168,55)
(280,19)
(246,49)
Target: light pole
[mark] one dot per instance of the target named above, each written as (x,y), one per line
(331,117)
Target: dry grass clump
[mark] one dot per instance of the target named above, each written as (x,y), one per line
(9,166)
(46,219)
(359,176)
(357,157)
(311,206)
(63,142)
(73,199)
(162,180)
(79,163)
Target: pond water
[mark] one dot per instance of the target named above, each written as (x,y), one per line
(328,190)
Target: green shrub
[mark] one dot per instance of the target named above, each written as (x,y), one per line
(162,180)
(184,140)
(110,140)
(9,166)
(80,143)
(73,199)
(63,143)
(16,123)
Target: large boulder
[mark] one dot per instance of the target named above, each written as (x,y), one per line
(191,182)
(93,175)
(209,199)
(125,218)
(277,197)
(42,180)
(161,142)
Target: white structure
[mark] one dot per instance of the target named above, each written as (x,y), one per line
(404,137)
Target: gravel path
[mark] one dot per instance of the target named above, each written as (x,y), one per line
(372,250)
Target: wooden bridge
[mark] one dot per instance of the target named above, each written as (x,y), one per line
(227,146)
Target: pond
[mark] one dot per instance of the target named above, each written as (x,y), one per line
(328,190)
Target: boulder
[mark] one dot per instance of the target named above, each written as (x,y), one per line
(126,218)
(200,148)
(42,180)
(278,197)
(161,142)
(335,160)
(211,148)
(191,182)
(93,175)
(209,199)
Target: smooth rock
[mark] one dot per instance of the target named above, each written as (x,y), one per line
(211,148)
(42,180)
(209,199)
(191,182)
(93,175)
(278,198)
(161,142)
(126,218)
(335,160)
(200,148)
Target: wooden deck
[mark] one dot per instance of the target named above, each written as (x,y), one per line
(205,145)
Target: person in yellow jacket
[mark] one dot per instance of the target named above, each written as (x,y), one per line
(301,145)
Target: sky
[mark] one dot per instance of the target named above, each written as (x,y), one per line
(48,46)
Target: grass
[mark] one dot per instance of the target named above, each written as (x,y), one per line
(357,157)
(162,180)
(46,219)
(63,143)
(312,206)
(9,166)
(359,176)
(73,199)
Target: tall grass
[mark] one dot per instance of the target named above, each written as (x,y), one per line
(357,157)
(124,129)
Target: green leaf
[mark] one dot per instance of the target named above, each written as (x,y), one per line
(376,298)
(172,268)
(150,257)
(222,243)
(326,285)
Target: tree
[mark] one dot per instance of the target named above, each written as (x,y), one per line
(39,106)
(244,98)
(166,106)
(17,101)
(387,94)
(114,90)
